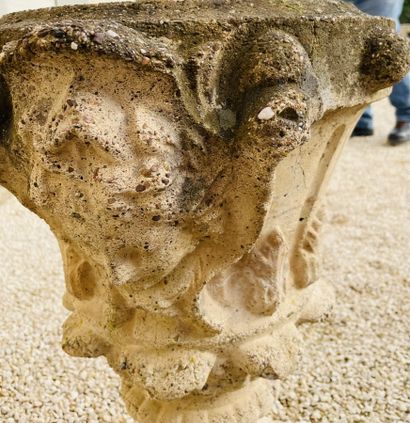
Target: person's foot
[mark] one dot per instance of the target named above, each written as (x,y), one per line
(400,134)
(362,132)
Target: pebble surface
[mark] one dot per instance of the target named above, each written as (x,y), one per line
(356,365)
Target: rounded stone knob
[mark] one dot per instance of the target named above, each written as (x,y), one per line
(385,60)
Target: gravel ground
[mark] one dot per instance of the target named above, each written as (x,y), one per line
(356,366)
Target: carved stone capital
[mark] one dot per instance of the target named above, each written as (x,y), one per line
(179,151)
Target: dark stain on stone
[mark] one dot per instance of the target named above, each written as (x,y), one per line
(192,192)
(6,111)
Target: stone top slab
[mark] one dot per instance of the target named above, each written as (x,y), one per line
(191,18)
(191,11)
(166,34)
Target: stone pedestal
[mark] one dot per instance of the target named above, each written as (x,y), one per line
(179,150)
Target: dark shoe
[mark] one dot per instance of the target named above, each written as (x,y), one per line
(362,132)
(400,134)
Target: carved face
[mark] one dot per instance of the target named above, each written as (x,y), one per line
(142,199)
(110,175)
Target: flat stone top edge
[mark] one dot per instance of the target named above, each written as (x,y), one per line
(189,10)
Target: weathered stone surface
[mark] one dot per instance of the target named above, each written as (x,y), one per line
(178,151)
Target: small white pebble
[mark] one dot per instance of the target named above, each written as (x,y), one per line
(112,34)
(74,46)
(316,414)
(266,113)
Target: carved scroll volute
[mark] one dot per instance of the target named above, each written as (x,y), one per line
(277,109)
(274,113)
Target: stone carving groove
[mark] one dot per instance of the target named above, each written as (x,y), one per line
(179,151)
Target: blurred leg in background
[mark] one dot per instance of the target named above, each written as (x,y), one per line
(400,96)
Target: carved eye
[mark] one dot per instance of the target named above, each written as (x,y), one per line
(6,109)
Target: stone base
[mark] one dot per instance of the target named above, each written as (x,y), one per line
(246,405)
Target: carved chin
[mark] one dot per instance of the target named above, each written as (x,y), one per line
(128,272)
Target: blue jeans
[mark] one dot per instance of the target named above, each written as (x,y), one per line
(400,96)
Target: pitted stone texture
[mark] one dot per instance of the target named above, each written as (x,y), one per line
(178,151)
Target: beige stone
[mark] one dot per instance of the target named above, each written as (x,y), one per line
(179,151)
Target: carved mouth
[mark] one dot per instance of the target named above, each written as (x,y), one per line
(143,267)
